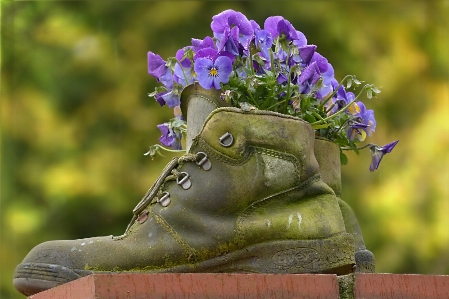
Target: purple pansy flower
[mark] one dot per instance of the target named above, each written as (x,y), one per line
(198,44)
(228,41)
(171,99)
(279,26)
(367,116)
(169,137)
(233,26)
(321,62)
(183,73)
(242,54)
(306,53)
(157,67)
(361,115)
(356,129)
(377,153)
(309,76)
(212,54)
(301,40)
(328,77)
(340,99)
(213,72)
(254,25)
(160,99)
(263,42)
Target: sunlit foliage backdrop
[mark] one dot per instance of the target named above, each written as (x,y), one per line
(76,119)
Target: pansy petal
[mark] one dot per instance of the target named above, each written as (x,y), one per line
(224,66)
(202,67)
(271,25)
(375,160)
(306,53)
(286,28)
(156,65)
(377,153)
(183,76)
(160,99)
(254,25)
(209,53)
(308,73)
(171,99)
(167,138)
(321,62)
(229,19)
(184,61)
(301,41)
(167,78)
(198,44)
(389,147)
(263,41)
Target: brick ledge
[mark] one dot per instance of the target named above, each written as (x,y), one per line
(216,286)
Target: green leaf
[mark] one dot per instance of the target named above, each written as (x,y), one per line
(320,126)
(309,118)
(343,158)
(177,122)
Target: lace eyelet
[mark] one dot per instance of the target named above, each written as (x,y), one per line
(226,140)
(164,200)
(184,180)
(203,161)
(143,216)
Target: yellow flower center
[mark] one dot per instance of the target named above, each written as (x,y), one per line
(354,108)
(213,72)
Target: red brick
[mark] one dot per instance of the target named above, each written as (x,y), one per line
(401,286)
(195,286)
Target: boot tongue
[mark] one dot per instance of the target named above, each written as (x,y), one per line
(196,105)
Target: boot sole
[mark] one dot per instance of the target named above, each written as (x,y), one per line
(334,255)
(32,278)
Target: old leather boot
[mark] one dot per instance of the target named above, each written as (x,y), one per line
(197,103)
(247,197)
(328,156)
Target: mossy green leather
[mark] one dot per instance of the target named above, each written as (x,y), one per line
(328,156)
(261,207)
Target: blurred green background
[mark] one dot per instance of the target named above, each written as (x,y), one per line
(76,119)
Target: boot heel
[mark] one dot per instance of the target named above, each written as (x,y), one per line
(333,255)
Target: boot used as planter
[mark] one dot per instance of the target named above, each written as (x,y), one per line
(246,197)
(198,103)
(328,156)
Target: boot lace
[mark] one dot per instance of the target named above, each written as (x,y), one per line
(170,173)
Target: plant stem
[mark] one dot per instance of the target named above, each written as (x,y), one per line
(289,83)
(278,103)
(272,61)
(359,148)
(342,109)
(251,60)
(183,73)
(334,93)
